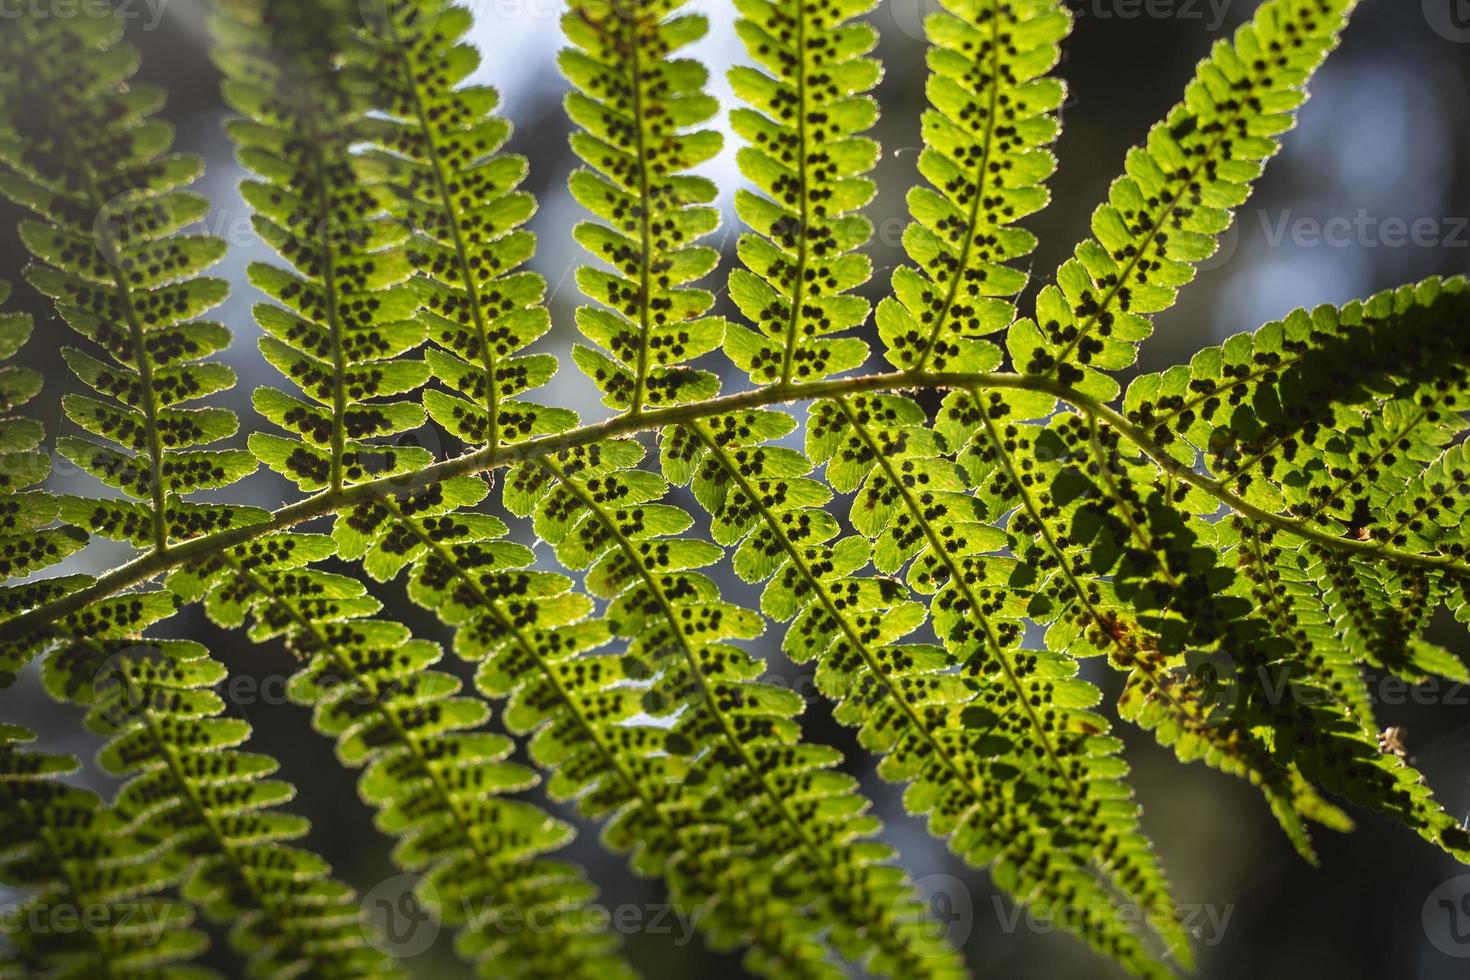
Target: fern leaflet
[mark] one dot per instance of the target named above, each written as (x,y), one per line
(213,806)
(1167,212)
(634,104)
(74,857)
(79,148)
(435,779)
(805,151)
(341,323)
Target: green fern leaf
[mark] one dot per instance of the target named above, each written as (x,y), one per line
(1242,538)
(1088,614)
(435,778)
(76,862)
(347,314)
(1331,417)
(798,824)
(1167,565)
(79,148)
(805,152)
(929,724)
(211,804)
(986,154)
(29,539)
(634,105)
(75,640)
(1165,215)
(439,151)
(910,502)
(536,643)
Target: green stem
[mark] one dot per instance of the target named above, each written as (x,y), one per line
(146,566)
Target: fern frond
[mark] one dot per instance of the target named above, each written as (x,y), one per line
(536,643)
(796,823)
(343,320)
(79,148)
(212,805)
(435,778)
(1088,615)
(927,722)
(994,114)
(806,153)
(634,105)
(1167,565)
(459,195)
(76,643)
(91,906)
(911,502)
(29,538)
(1272,410)
(1331,417)
(1165,214)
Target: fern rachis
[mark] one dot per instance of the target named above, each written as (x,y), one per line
(1291,502)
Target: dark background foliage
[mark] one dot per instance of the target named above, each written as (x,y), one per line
(1372,190)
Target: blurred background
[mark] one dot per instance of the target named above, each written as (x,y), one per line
(1372,190)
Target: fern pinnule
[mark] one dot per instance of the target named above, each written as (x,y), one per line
(452,186)
(806,153)
(634,105)
(1166,213)
(436,779)
(71,856)
(80,149)
(212,806)
(986,154)
(340,323)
